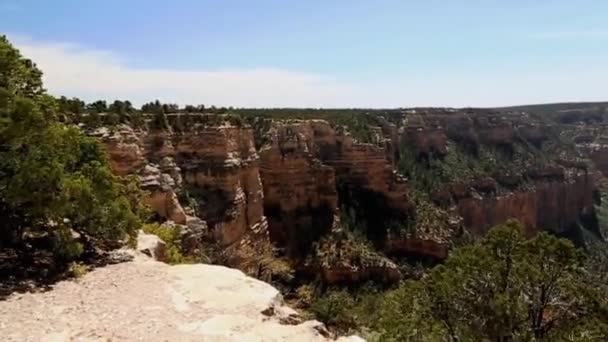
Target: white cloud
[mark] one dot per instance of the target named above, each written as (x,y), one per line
(93,74)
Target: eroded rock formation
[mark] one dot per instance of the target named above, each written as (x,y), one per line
(161,196)
(220,167)
(323,159)
(300,196)
(546,192)
(549,205)
(307,161)
(124,149)
(216,166)
(309,173)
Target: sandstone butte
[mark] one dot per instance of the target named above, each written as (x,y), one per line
(146,300)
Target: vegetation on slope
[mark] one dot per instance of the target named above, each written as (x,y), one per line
(501,288)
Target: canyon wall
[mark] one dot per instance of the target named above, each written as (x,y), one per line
(311,167)
(311,179)
(544,193)
(551,205)
(219,169)
(308,161)
(300,197)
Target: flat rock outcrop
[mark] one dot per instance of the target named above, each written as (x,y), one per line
(148,300)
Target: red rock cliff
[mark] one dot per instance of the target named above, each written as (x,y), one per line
(300,196)
(220,170)
(557,198)
(305,164)
(552,205)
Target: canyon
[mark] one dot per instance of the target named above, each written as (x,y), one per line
(189,223)
(302,187)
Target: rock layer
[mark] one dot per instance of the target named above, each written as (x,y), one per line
(217,166)
(221,170)
(300,192)
(308,160)
(555,206)
(310,170)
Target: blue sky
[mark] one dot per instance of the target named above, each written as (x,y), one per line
(333,53)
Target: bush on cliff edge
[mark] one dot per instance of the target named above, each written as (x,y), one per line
(55,183)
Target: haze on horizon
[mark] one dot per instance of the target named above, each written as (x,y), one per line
(272,53)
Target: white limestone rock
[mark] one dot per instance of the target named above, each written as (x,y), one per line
(145,300)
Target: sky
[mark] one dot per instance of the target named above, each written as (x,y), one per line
(317,53)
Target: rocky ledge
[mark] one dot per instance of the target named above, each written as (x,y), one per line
(148,300)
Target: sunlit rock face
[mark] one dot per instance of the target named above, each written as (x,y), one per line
(161,196)
(308,172)
(300,197)
(127,156)
(124,149)
(217,166)
(310,168)
(220,167)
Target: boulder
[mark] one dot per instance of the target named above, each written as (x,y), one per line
(152,246)
(191,234)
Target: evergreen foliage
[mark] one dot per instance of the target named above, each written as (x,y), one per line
(54,181)
(503,288)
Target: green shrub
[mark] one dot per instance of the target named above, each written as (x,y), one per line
(258,260)
(65,246)
(305,295)
(502,288)
(54,181)
(77,270)
(335,309)
(171,237)
(346,312)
